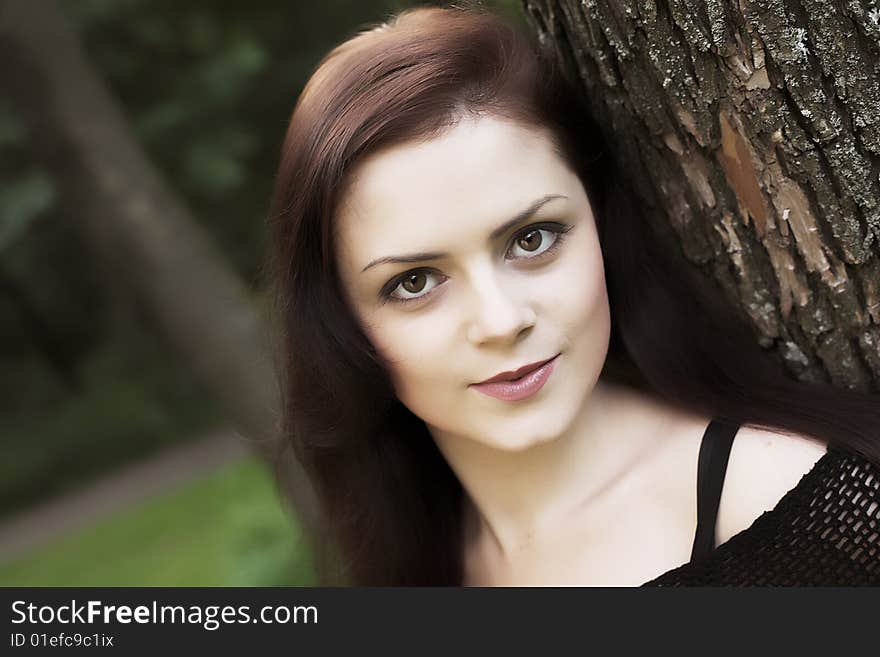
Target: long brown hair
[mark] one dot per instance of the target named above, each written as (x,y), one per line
(390,505)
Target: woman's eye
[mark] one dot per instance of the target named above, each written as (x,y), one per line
(411,286)
(536,241)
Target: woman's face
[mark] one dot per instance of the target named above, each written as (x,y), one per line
(477,296)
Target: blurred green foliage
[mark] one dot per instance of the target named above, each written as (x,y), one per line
(208,88)
(131,401)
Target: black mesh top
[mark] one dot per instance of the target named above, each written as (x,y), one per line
(824,532)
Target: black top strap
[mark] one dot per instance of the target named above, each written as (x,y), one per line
(711,468)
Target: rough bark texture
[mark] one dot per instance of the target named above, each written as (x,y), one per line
(753,127)
(135,222)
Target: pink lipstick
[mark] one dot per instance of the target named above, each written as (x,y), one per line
(506,388)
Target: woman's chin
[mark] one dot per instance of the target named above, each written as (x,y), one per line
(524,443)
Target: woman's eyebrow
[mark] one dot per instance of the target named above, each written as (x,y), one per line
(496,233)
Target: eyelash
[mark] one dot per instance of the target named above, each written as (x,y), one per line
(559,230)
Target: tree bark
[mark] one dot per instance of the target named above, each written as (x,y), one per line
(753,126)
(130,216)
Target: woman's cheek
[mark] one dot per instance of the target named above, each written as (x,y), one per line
(399,351)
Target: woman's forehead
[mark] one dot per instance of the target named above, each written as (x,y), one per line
(478,172)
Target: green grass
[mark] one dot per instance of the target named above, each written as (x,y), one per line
(225,529)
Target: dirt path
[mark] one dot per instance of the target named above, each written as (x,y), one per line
(168,469)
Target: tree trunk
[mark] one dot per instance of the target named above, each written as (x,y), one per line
(136,223)
(753,126)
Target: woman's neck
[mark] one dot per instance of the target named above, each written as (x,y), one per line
(519,500)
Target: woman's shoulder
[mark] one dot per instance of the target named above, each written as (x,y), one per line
(764,465)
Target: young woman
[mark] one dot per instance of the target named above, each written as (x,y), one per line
(493,372)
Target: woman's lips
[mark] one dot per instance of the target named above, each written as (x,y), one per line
(521,388)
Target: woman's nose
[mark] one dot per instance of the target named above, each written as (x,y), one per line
(499,315)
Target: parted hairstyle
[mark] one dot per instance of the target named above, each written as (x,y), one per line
(390,506)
